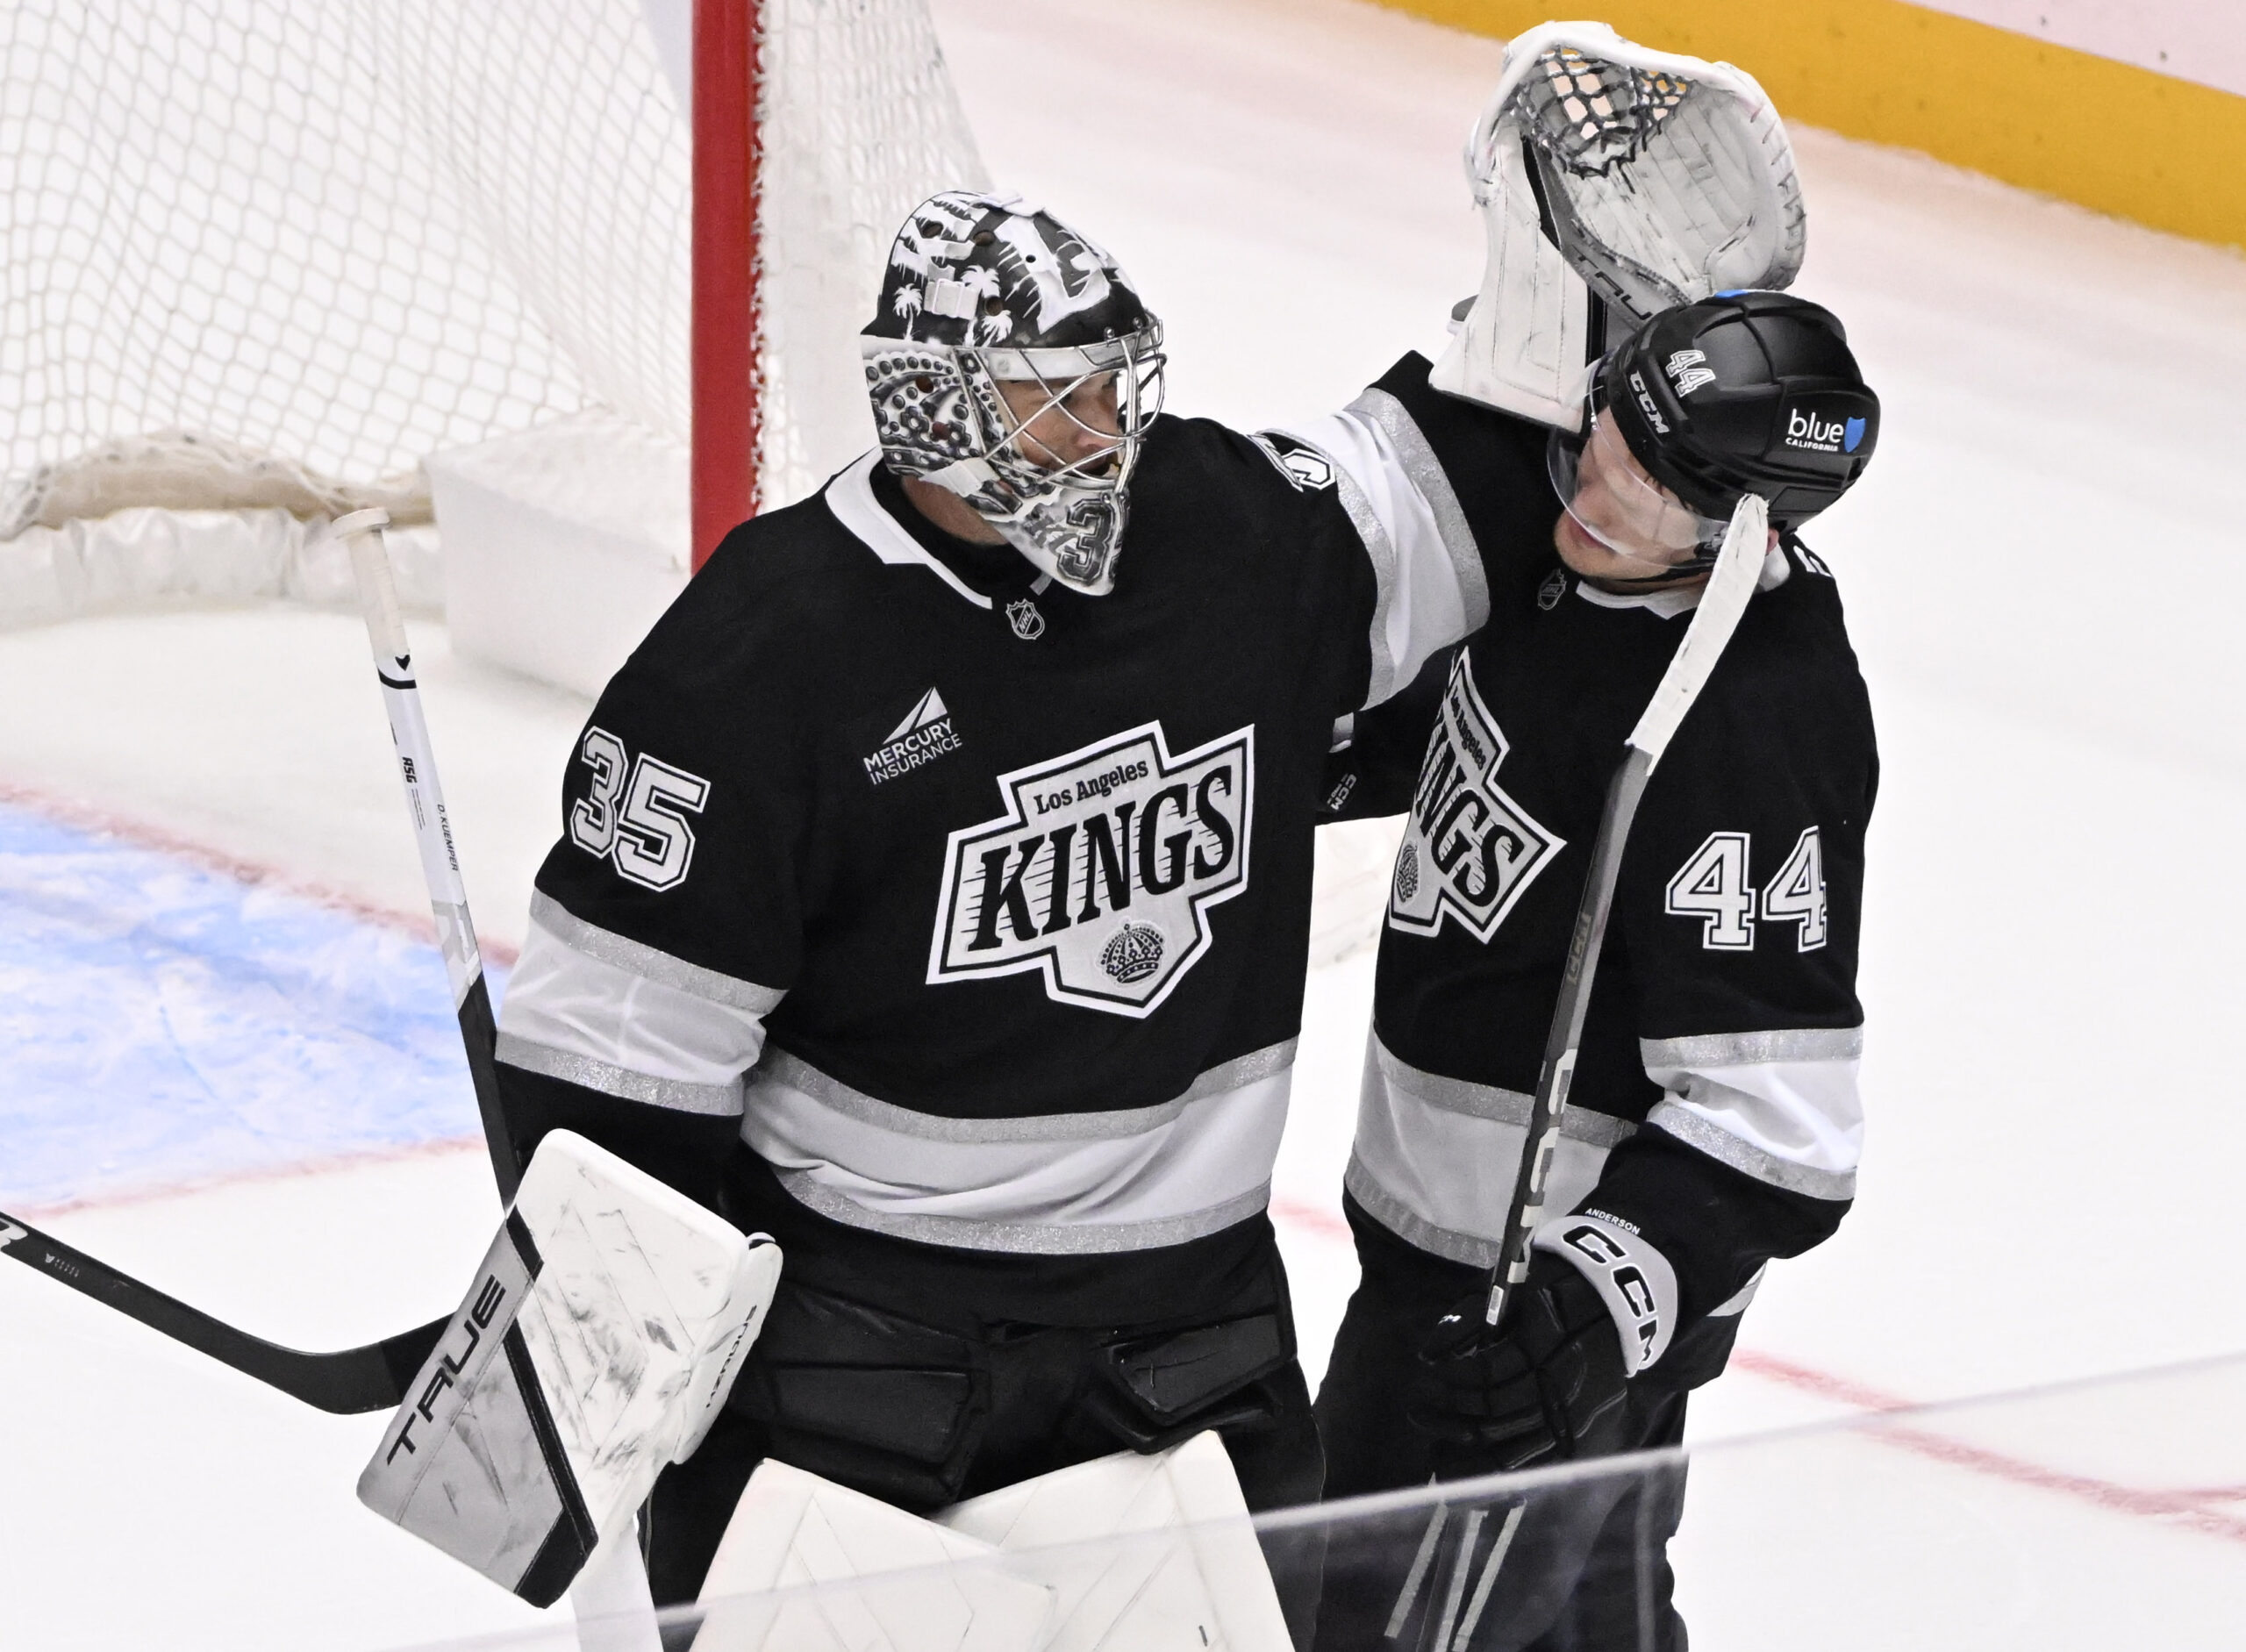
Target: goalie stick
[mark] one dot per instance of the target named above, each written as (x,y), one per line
(373,1378)
(345,1382)
(1722,601)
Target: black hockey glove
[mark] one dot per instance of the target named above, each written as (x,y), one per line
(1545,1385)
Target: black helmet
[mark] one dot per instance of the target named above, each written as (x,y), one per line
(1746,392)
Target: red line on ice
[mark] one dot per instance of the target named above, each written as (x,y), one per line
(328,1164)
(2183,1507)
(72,812)
(1315,1218)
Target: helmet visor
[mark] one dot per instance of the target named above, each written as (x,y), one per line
(1615,503)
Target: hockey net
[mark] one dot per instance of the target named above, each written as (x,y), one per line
(278,252)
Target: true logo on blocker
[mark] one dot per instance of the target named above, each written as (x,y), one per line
(1101,872)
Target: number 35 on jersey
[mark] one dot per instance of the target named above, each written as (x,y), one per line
(634,814)
(1715,886)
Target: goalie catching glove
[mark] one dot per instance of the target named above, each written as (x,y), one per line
(595,1347)
(1604,168)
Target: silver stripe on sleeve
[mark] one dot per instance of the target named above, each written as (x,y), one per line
(719,1101)
(634,958)
(1782,1105)
(1427,475)
(1741,1049)
(1050,1183)
(585,1006)
(1425,599)
(1696,1130)
(1381,553)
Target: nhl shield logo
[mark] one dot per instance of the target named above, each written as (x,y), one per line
(1101,874)
(1468,850)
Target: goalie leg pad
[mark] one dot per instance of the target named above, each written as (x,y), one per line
(806,1565)
(1140,1551)
(597,1344)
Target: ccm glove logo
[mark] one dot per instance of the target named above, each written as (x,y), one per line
(1633,1278)
(633,815)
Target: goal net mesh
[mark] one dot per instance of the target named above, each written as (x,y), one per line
(319,239)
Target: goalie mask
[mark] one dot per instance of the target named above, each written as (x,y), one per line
(1749,392)
(986,290)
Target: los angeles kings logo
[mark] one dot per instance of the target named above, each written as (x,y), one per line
(1469,849)
(1101,873)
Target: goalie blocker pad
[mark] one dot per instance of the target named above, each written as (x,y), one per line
(596,1346)
(1606,170)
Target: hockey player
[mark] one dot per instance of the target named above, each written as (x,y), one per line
(1714,1121)
(935,887)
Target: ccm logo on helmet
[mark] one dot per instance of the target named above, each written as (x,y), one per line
(1806,429)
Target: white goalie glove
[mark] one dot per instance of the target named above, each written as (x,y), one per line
(595,1347)
(1603,169)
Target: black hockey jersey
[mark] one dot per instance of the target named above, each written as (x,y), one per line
(977,907)
(1714,1109)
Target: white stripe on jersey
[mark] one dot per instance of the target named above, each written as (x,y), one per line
(1436,1157)
(615,1016)
(1432,589)
(1782,1106)
(1049,1185)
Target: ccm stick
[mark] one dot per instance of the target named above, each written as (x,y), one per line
(346,1381)
(1722,601)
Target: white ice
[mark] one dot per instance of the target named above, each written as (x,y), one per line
(2036,577)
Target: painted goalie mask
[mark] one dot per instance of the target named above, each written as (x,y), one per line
(983,290)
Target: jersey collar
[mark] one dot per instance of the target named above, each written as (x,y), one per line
(1669,603)
(850,497)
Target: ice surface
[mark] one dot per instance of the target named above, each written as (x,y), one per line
(165,1022)
(2036,577)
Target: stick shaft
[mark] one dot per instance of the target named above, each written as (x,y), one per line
(1722,601)
(432,831)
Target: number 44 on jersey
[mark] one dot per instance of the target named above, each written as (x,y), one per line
(1713,885)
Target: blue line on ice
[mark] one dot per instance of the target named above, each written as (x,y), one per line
(160,1023)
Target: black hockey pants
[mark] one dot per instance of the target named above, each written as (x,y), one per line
(921,1416)
(1587,1569)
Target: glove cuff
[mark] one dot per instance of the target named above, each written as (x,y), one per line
(1633,1279)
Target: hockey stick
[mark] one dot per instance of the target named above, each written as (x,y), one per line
(432,831)
(374,1377)
(1722,601)
(610,1594)
(346,1382)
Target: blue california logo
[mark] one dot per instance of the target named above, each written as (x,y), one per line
(1854,435)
